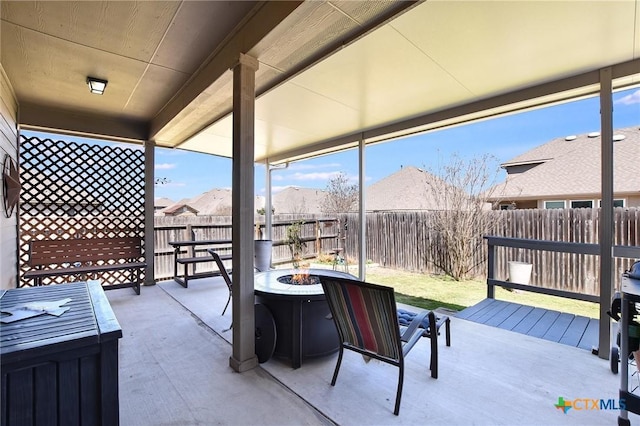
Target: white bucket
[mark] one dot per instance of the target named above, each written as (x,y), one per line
(520,272)
(262,259)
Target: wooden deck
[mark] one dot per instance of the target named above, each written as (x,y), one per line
(569,329)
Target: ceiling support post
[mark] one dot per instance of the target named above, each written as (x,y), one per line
(243,357)
(362,267)
(606,211)
(149,196)
(268,218)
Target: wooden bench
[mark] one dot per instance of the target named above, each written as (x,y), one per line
(183,280)
(86,257)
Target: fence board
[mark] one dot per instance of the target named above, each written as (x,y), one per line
(406,241)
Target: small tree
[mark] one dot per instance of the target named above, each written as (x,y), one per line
(460,190)
(341,196)
(295,243)
(262,211)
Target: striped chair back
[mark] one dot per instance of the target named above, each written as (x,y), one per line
(365,316)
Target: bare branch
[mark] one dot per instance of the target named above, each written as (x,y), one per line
(341,197)
(460,192)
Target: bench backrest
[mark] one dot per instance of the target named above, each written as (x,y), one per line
(47,252)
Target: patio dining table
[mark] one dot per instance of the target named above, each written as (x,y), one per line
(194,259)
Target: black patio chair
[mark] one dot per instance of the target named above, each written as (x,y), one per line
(367,322)
(225,276)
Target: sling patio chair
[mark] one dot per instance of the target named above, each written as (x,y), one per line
(224,273)
(265,334)
(367,322)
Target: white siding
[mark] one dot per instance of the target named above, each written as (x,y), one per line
(8,145)
(633,201)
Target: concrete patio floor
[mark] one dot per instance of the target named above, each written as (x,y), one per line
(174,371)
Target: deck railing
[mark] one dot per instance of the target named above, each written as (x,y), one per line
(560,290)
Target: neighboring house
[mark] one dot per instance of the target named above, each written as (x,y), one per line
(216,202)
(179,209)
(565,173)
(296,200)
(51,197)
(410,188)
(161,203)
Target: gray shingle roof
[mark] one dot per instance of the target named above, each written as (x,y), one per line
(407,189)
(298,200)
(572,167)
(163,202)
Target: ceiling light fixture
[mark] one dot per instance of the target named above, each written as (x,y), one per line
(96,85)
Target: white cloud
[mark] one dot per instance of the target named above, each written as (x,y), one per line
(631,99)
(315,176)
(165,166)
(277,177)
(133,146)
(301,166)
(169,152)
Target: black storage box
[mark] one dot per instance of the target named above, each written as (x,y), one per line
(60,370)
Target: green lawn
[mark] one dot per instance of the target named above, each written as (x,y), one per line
(431,292)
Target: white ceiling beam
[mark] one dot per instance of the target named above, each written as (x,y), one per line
(549,93)
(264,19)
(81,123)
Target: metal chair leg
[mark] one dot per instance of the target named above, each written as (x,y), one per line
(399,391)
(335,373)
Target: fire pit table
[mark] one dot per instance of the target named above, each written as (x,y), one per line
(304,327)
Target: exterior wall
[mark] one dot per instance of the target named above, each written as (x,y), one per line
(633,201)
(8,145)
(629,201)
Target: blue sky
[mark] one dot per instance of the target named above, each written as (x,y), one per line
(190,174)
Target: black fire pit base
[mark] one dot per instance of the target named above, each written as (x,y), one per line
(265,333)
(303,320)
(304,327)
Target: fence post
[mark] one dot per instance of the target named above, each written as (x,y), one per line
(317,238)
(490,269)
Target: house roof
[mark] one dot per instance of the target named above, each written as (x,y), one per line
(53,189)
(407,189)
(178,206)
(410,188)
(330,72)
(163,202)
(572,168)
(298,200)
(213,202)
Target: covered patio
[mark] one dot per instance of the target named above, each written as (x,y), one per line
(274,82)
(487,376)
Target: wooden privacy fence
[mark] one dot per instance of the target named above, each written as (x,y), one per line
(317,233)
(407,241)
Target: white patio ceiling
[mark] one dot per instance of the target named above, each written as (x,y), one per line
(437,56)
(330,71)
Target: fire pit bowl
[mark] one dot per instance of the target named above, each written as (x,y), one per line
(301,278)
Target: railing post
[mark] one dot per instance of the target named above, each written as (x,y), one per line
(490,269)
